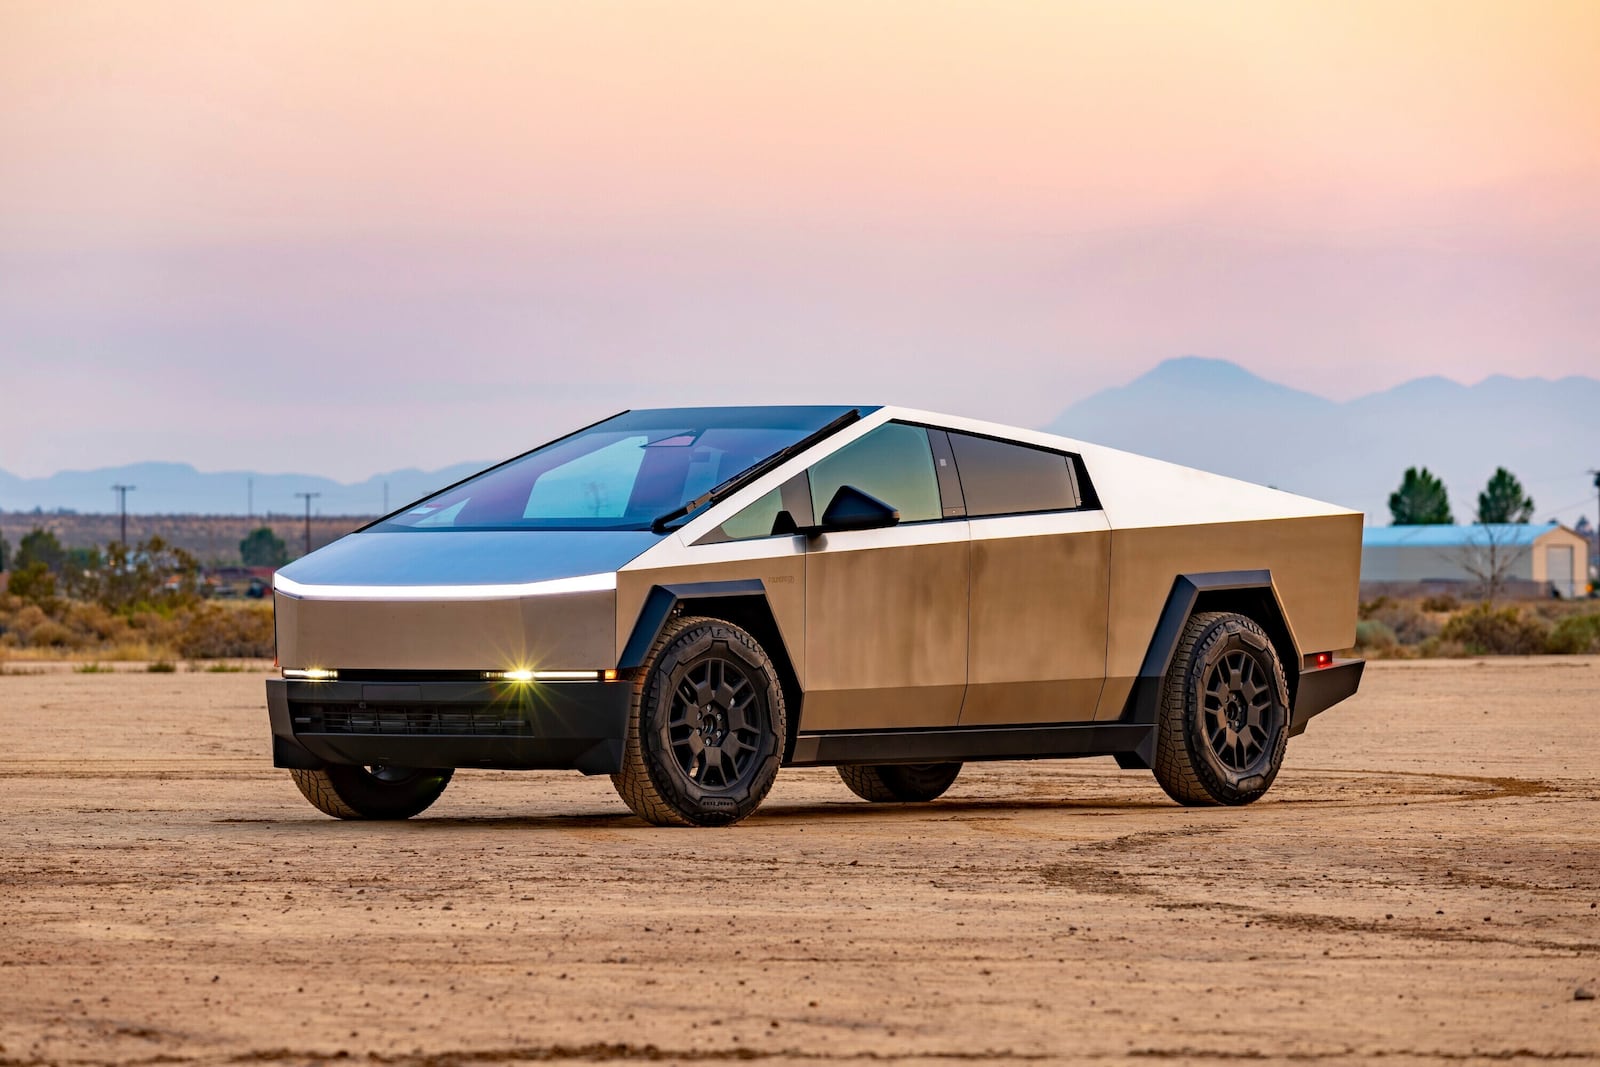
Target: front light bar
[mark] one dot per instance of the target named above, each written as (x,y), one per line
(608,675)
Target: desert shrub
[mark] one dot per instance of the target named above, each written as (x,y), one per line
(22,620)
(1369,608)
(162,666)
(157,628)
(1441,602)
(1410,626)
(1373,635)
(93,622)
(52,634)
(212,631)
(1485,630)
(1438,648)
(1575,634)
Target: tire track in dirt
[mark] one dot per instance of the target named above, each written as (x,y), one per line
(598,1052)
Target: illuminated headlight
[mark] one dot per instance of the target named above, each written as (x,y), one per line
(311,674)
(609,675)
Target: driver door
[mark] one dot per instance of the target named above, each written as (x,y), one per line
(886,610)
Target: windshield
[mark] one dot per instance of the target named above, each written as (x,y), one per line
(619,474)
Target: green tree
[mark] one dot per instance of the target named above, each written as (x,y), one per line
(263,548)
(1421,500)
(32,582)
(150,576)
(1503,499)
(41,546)
(5,554)
(80,573)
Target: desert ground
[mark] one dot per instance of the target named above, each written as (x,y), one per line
(1420,884)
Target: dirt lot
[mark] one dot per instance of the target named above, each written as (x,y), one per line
(1420,884)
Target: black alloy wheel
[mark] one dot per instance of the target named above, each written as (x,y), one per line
(706,729)
(716,721)
(1236,708)
(1224,715)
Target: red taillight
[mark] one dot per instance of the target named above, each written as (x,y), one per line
(1324,659)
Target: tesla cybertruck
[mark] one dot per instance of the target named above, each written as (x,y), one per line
(687,599)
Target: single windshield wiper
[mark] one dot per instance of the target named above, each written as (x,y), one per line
(752,472)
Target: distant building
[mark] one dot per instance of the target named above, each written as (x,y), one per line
(1531,559)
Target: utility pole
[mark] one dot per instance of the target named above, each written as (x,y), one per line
(122,492)
(308,497)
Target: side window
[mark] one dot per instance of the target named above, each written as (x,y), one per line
(766,516)
(892,463)
(755,520)
(1000,478)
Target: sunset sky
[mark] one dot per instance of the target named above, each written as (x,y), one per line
(343,237)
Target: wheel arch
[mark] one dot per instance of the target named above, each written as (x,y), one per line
(1248,593)
(742,602)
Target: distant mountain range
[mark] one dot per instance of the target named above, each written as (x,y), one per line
(177,488)
(1218,416)
(1205,413)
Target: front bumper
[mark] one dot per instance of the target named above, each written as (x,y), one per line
(1323,687)
(506,725)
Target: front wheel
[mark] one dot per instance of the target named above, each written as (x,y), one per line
(378,792)
(705,732)
(1224,719)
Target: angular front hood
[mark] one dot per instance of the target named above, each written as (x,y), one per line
(456,600)
(466,564)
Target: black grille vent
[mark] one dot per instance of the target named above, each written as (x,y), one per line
(409,720)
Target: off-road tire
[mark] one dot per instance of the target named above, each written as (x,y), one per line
(1224,717)
(899,783)
(706,728)
(351,792)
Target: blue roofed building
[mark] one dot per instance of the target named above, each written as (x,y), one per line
(1533,560)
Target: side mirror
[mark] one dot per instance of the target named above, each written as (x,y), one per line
(851,509)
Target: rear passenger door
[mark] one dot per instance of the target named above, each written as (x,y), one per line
(1040,557)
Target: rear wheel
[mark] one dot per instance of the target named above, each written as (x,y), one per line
(1224,719)
(904,783)
(377,792)
(705,734)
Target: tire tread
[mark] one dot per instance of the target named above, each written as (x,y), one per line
(1183,776)
(635,783)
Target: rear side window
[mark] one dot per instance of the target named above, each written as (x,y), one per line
(1001,478)
(893,463)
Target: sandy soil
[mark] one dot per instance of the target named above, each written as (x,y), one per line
(1420,884)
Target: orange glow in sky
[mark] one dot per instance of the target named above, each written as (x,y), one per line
(558,199)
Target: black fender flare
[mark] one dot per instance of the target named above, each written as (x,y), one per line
(663,600)
(1188,591)
(744,601)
